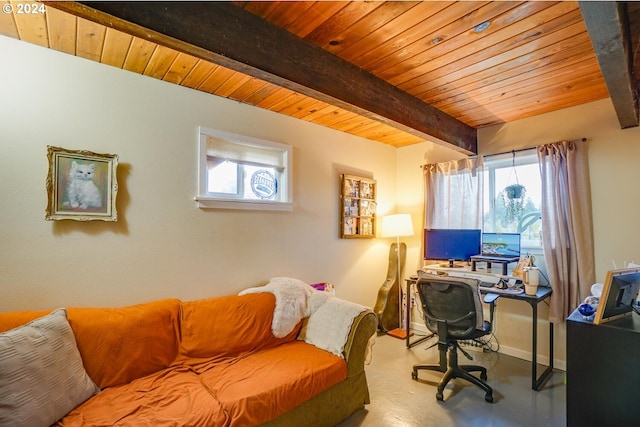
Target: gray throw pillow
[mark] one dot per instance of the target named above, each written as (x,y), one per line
(41,373)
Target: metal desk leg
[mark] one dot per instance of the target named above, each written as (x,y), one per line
(538,382)
(419,340)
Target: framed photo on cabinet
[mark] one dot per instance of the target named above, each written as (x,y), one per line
(357,207)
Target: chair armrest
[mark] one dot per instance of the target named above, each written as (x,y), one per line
(355,349)
(491,300)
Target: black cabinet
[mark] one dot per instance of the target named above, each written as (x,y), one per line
(603,372)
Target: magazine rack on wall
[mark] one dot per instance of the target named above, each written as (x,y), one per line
(357,207)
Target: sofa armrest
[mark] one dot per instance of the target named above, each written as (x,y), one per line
(355,349)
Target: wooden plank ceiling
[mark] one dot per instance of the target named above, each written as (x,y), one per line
(531,57)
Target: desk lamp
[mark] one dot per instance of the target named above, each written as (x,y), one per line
(398,225)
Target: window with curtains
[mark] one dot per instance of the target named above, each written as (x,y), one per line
(512,213)
(556,180)
(240,172)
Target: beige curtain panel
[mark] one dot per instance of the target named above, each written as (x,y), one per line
(567,232)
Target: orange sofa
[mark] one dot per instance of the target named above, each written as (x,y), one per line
(213,362)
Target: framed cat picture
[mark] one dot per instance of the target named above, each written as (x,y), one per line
(81,185)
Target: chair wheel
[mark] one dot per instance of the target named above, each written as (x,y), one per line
(414,375)
(439,396)
(483,376)
(488,398)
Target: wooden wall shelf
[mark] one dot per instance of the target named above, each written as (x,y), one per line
(357,207)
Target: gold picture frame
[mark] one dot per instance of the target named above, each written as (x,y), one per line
(81,185)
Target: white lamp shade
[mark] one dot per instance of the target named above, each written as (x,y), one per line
(397,225)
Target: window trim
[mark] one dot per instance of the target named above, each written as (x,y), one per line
(206,201)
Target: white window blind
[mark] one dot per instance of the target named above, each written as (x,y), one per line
(220,150)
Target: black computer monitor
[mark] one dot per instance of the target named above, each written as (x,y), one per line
(451,244)
(619,294)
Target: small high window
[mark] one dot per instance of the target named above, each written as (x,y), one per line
(240,172)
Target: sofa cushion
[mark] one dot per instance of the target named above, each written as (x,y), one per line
(41,372)
(228,326)
(263,385)
(170,398)
(13,319)
(121,344)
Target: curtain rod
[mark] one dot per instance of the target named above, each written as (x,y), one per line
(525,149)
(512,151)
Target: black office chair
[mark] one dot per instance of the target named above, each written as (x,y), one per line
(453,310)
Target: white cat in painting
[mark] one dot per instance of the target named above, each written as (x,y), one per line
(82,192)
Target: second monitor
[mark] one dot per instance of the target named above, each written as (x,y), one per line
(501,244)
(500,248)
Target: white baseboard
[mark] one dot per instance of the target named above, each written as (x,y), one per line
(525,355)
(510,351)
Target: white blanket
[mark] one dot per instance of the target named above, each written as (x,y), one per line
(330,318)
(329,325)
(291,302)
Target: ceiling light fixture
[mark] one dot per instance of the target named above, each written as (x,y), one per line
(481,27)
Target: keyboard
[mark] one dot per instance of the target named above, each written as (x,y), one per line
(490,287)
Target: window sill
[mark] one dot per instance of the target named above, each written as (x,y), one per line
(261,205)
(531,250)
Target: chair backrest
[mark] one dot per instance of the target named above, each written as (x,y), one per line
(455,300)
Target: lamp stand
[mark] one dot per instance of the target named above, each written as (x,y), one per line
(400,332)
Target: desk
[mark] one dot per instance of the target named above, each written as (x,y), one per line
(533,300)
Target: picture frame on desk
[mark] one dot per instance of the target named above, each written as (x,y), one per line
(619,294)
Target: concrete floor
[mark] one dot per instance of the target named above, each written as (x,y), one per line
(399,401)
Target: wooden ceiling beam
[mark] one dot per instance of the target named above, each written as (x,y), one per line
(607,25)
(227,35)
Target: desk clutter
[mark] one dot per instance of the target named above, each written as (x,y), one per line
(488,282)
(614,299)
